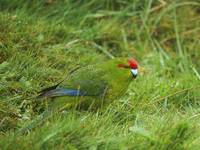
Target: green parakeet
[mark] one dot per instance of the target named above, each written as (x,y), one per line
(94,85)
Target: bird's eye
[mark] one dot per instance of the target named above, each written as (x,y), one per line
(134,72)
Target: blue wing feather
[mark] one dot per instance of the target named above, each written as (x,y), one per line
(62,92)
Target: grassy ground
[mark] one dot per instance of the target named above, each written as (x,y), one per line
(41,41)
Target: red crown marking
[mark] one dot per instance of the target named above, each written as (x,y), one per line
(133,63)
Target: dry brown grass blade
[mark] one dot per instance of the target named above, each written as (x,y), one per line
(173,94)
(158,7)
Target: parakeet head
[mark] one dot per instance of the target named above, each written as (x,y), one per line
(132,65)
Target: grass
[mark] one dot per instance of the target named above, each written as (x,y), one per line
(41,41)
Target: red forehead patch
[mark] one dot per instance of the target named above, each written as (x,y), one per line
(133,63)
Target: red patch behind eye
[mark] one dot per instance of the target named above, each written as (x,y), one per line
(133,63)
(123,66)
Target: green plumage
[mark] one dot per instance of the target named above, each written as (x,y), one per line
(101,83)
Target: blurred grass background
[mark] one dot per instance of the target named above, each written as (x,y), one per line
(42,40)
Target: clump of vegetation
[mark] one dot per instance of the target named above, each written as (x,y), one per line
(41,41)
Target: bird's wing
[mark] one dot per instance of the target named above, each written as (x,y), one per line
(88,80)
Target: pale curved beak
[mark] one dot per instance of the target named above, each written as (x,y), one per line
(134,72)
